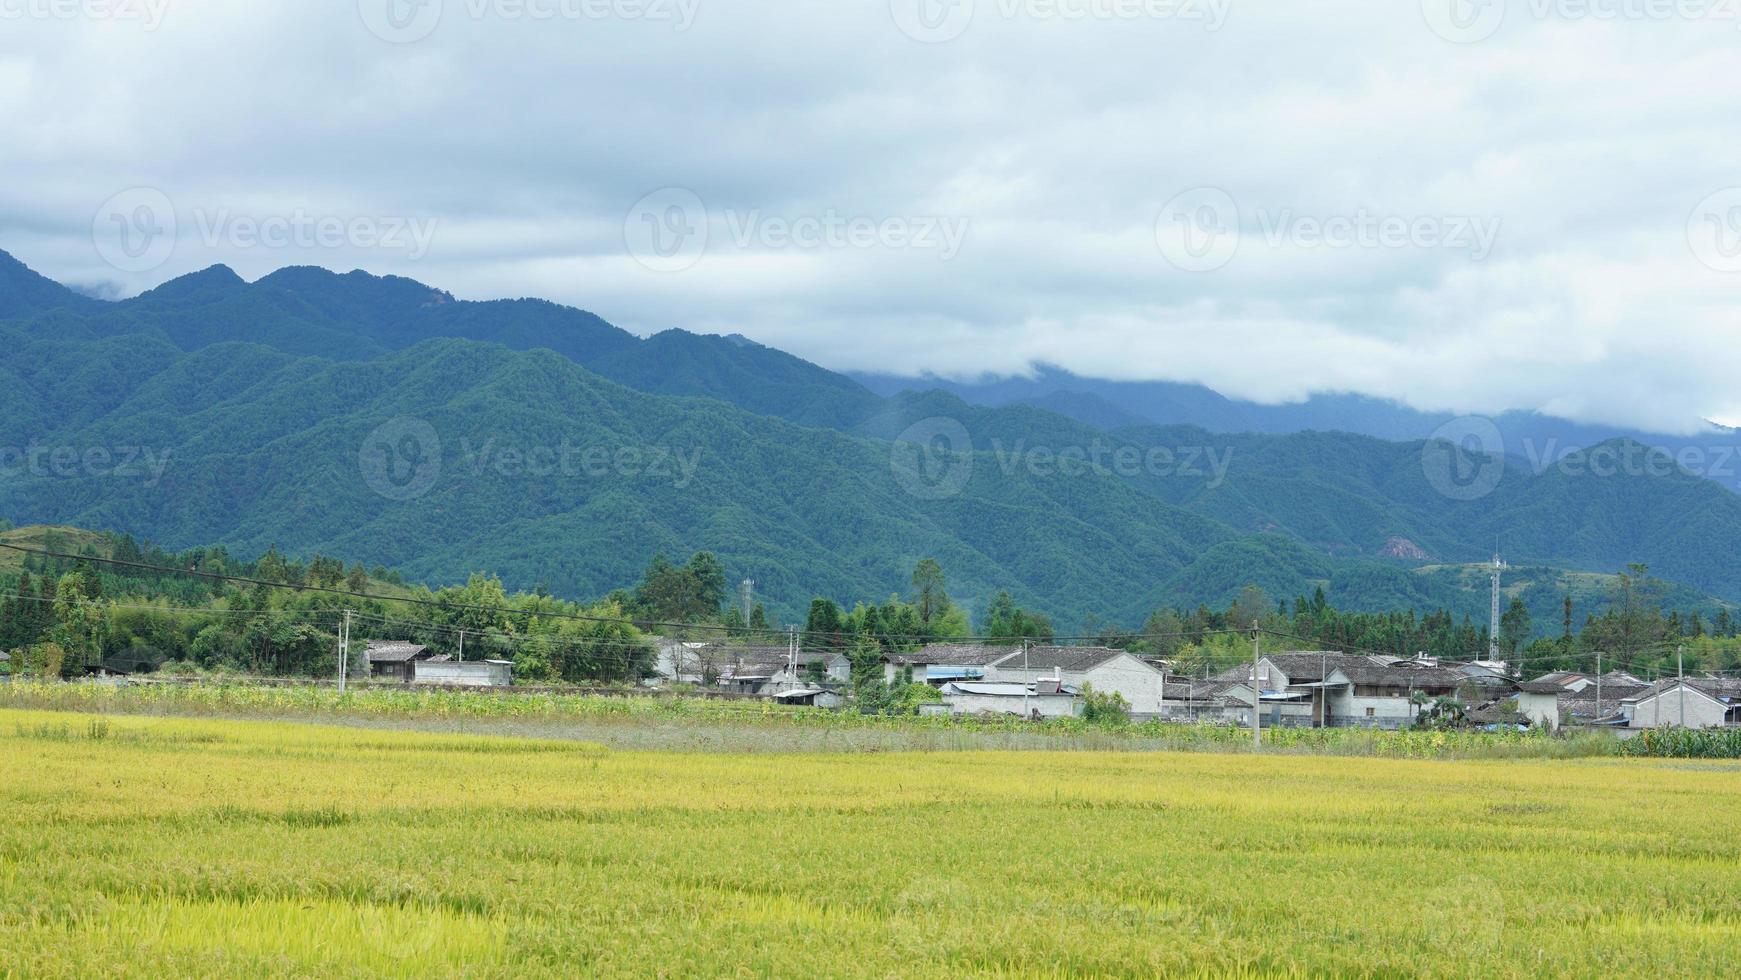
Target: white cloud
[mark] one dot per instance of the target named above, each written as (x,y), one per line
(1587,143)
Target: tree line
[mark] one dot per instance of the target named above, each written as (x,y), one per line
(64,616)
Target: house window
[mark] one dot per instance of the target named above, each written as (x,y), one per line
(1371,712)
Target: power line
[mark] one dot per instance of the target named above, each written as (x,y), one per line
(188,610)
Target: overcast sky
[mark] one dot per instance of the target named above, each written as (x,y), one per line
(1465,206)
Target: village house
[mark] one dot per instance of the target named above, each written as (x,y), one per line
(769,670)
(1293,687)
(1701,702)
(1319,689)
(1564,697)
(679,661)
(1107,670)
(391,660)
(1376,694)
(753,670)
(1539,702)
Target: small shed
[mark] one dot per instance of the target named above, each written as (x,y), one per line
(463,673)
(814,697)
(1034,700)
(392,659)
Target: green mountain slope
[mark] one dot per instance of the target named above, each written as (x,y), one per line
(267,448)
(256,421)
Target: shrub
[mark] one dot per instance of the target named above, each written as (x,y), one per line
(1104,709)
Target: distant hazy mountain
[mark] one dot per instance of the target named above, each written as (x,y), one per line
(266,405)
(1529,436)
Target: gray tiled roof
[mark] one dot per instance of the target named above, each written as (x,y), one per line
(1721,688)
(754,661)
(954,655)
(1301,667)
(1060,658)
(1398,676)
(393,652)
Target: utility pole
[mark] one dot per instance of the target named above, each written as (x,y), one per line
(1323,692)
(344,651)
(1162,713)
(462,646)
(746,598)
(1256,688)
(1599,687)
(1681,673)
(1027,711)
(791,647)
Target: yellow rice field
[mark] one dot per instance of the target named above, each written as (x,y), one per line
(150,846)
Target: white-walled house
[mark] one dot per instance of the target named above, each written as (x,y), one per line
(1323,689)
(1105,669)
(1293,686)
(1376,694)
(775,670)
(1539,701)
(679,661)
(1692,703)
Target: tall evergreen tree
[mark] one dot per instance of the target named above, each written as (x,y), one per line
(822,630)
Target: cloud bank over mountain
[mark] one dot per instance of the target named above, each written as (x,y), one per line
(1534,211)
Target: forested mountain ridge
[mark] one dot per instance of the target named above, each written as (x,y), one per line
(785,470)
(358,316)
